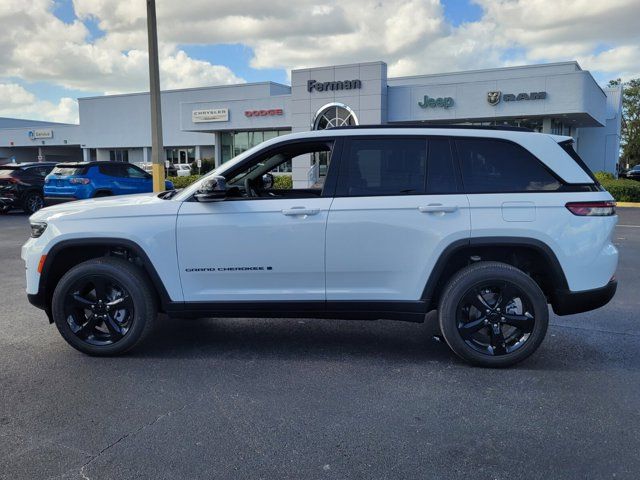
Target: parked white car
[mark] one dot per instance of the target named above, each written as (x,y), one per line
(485,225)
(182,169)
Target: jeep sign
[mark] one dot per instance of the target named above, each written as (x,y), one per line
(440,102)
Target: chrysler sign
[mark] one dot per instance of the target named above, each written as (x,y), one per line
(210,115)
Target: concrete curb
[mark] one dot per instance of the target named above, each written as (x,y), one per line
(628,204)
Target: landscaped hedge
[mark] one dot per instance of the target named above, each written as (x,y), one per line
(181,182)
(283,182)
(622,189)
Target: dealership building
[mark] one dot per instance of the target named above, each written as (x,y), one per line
(220,122)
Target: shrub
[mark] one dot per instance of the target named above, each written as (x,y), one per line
(622,190)
(283,182)
(602,176)
(181,182)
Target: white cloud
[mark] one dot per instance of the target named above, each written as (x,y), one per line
(412,36)
(17,102)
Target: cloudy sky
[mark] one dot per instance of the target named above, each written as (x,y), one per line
(54,51)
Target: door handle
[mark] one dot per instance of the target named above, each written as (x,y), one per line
(294,211)
(437,208)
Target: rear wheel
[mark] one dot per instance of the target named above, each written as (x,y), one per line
(104,306)
(492,314)
(33,201)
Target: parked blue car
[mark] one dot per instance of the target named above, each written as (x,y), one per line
(97,179)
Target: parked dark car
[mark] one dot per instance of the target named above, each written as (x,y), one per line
(632,174)
(21,185)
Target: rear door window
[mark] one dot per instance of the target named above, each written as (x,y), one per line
(498,166)
(113,170)
(383,166)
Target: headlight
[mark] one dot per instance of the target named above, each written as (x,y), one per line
(37,229)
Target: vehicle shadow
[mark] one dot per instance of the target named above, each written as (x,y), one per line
(294,338)
(564,349)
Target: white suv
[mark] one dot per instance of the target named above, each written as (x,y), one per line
(485,225)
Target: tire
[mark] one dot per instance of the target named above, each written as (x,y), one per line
(32,202)
(101,193)
(4,210)
(511,327)
(118,323)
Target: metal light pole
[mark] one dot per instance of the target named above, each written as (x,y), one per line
(157,160)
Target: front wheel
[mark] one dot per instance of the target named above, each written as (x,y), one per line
(104,306)
(492,314)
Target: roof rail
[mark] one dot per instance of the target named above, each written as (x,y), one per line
(422,125)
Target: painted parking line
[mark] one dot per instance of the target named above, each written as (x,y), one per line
(629,226)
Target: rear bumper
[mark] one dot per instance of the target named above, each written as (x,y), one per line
(567,302)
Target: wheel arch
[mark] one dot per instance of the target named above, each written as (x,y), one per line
(68,253)
(531,255)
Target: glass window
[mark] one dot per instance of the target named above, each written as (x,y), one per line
(119,155)
(135,172)
(496,166)
(274,162)
(111,170)
(441,175)
(390,166)
(69,171)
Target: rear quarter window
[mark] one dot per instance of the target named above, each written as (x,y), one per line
(498,166)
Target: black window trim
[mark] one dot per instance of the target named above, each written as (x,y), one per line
(564,186)
(426,138)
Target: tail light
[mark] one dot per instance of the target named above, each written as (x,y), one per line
(79,181)
(592,209)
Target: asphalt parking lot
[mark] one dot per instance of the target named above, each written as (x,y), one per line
(307,399)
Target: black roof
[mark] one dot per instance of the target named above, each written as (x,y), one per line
(87,164)
(422,125)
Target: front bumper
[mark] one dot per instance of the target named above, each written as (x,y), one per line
(567,302)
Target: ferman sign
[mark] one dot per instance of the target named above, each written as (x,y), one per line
(332,86)
(210,115)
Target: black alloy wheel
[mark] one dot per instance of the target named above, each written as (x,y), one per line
(492,314)
(99,310)
(33,202)
(104,306)
(495,318)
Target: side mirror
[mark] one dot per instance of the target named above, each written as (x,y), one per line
(267,181)
(214,189)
